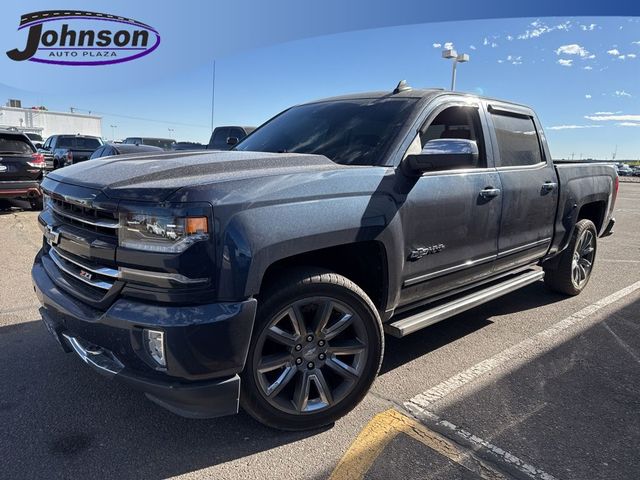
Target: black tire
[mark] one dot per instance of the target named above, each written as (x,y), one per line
(563,278)
(36,203)
(298,292)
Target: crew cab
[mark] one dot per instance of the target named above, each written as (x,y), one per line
(62,150)
(21,168)
(291,255)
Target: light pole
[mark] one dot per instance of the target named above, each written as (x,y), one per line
(113,132)
(450,54)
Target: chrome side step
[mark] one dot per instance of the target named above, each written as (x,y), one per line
(413,323)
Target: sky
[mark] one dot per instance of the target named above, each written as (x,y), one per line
(581,75)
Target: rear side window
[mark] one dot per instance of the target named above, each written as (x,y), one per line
(15,144)
(517,140)
(80,143)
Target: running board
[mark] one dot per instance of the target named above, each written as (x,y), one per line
(413,323)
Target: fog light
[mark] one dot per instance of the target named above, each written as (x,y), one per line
(154,341)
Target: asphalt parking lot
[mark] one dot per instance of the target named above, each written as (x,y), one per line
(532,385)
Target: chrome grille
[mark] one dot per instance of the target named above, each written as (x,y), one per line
(93,275)
(100,221)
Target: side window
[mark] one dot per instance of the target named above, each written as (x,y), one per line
(517,140)
(47,144)
(219,137)
(460,123)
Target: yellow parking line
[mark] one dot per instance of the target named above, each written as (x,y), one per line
(385,426)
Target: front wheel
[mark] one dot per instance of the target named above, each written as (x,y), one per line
(576,262)
(316,349)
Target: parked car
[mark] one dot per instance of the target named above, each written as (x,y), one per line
(334,222)
(188,146)
(635,171)
(225,137)
(624,170)
(163,143)
(110,149)
(62,150)
(36,139)
(21,168)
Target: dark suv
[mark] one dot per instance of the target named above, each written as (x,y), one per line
(20,168)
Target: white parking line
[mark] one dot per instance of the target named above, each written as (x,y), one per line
(542,341)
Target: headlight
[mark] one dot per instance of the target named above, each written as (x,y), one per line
(154,233)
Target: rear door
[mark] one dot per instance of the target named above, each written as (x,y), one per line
(529,186)
(15,155)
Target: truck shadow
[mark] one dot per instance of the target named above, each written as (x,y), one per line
(399,351)
(60,419)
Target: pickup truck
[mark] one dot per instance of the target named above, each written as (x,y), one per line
(334,222)
(225,137)
(62,150)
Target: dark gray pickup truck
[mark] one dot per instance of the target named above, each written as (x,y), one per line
(266,276)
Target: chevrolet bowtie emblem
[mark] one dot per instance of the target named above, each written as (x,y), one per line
(52,236)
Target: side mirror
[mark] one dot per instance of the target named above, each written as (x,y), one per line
(232,140)
(444,154)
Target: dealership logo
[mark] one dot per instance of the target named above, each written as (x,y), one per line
(70,37)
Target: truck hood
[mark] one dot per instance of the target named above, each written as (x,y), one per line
(155,177)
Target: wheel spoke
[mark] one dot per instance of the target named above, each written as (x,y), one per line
(342,368)
(322,316)
(323,388)
(278,335)
(587,251)
(285,377)
(586,264)
(301,394)
(338,327)
(297,319)
(347,347)
(271,362)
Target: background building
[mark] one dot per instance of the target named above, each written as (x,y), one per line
(46,123)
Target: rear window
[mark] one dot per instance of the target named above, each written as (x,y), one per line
(79,143)
(163,143)
(15,144)
(517,140)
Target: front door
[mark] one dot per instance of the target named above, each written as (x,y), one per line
(451,227)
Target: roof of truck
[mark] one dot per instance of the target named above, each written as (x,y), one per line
(422,93)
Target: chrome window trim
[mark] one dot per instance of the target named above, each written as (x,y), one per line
(524,247)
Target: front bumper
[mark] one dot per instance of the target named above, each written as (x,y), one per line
(20,189)
(206,346)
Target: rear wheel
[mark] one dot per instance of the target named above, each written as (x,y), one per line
(576,263)
(315,351)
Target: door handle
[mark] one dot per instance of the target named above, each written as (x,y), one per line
(489,192)
(548,186)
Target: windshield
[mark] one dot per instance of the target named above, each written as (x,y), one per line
(80,143)
(14,144)
(350,132)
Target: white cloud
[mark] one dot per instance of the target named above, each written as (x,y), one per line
(572,49)
(588,67)
(628,124)
(621,93)
(448,45)
(614,51)
(636,43)
(437,45)
(500,61)
(613,118)
(565,62)
(587,96)
(606,113)
(472,47)
(494,44)
(571,127)
(509,37)
(485,41)
(588,28)
(631,55)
